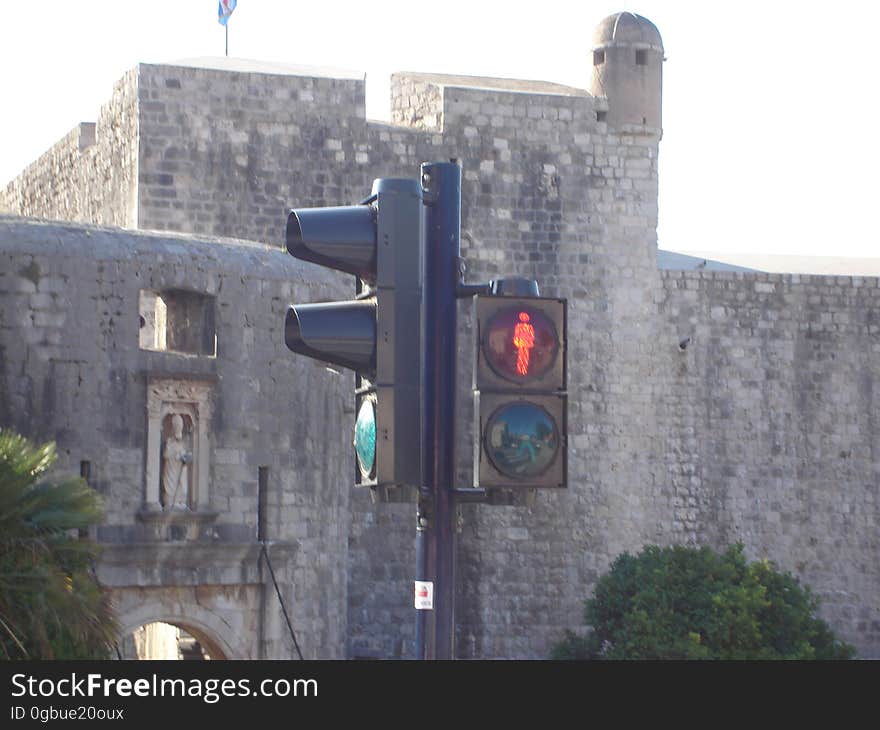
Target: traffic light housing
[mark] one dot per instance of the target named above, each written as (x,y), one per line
(378,333)
(520,400)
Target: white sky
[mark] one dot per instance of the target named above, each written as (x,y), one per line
(770,107)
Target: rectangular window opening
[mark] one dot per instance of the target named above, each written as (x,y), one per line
(174,320)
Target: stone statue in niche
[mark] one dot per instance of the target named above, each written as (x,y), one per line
(178,448)
(177,455)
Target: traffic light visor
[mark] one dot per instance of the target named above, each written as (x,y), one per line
(341,238)
(343,333)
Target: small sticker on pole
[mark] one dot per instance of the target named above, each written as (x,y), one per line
(425,595)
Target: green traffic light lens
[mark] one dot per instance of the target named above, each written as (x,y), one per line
(521,440)
(365,438)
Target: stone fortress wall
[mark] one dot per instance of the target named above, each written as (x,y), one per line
(90,175)
(704,407)
(75,369)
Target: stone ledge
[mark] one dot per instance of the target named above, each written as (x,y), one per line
(488,83)
(190,564)
(176,516)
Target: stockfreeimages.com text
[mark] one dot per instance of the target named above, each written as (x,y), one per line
(209,690)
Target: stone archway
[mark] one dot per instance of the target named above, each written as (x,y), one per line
(208,629)
(161,640)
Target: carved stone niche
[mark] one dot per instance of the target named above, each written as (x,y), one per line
(176,492)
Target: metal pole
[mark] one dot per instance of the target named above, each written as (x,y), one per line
(441,188)
(424,627)
(227,38)
(262,502)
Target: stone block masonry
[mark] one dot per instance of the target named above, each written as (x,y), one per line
(72,370)
(90,175)
(774,400)
(759,429)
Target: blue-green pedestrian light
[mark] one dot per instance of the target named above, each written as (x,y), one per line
(521,440)
(365,438)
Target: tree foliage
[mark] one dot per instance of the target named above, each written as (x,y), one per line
(693,603)
(51,605)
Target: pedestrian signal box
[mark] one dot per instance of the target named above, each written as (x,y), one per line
(520,401)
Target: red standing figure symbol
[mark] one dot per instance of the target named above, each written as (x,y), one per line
(523,341)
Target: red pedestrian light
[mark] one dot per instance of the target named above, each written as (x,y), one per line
(520,343)
(523,340)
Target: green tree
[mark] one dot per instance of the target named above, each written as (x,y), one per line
(51,605)
(693,603)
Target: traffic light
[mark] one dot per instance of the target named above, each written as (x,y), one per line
(378,333)
(519,392)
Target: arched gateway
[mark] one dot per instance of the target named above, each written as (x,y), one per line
(145,627)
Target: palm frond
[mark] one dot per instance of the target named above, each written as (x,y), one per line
(51,605)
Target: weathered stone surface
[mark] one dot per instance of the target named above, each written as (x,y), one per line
(88,391)
(761,429)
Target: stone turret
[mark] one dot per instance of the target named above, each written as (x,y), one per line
(628,71)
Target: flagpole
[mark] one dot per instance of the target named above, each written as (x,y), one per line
(226,25)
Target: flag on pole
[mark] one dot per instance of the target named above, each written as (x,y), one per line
(224,10)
